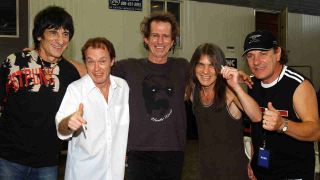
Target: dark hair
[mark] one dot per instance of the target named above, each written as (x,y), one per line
(145,26)
(51,17)
(283,57)
(217,58)
(98,42)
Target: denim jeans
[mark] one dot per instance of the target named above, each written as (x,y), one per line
(155,165)
(13,171)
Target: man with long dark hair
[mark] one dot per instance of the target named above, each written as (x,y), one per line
(219,103)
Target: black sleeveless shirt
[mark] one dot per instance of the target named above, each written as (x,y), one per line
(289,157)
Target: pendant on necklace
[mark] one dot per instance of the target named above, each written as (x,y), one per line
(47,74)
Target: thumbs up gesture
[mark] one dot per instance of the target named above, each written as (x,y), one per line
(76,121)
(272,120)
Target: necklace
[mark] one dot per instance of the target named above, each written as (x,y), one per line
(48,71)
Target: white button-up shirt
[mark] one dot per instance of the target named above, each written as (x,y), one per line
(99,152)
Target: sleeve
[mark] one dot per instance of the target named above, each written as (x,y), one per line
(2,85)
(121,136)
(69,105)
(4,72)
(187,67)
(118,69)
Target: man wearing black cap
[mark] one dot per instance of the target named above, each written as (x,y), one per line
(283,140)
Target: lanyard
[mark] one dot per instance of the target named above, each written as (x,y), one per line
(268,97)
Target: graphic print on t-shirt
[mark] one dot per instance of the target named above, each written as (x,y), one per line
(30,74)
(157,91)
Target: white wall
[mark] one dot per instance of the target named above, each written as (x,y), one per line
(303,43)
(92,18)
(201,22)
(223,25)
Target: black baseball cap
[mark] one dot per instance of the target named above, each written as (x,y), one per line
(259,40)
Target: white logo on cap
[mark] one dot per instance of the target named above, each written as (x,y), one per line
(254,38)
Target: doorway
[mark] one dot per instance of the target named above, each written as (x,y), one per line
(268,21)
(275,22)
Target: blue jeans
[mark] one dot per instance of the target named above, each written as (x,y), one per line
(13,171)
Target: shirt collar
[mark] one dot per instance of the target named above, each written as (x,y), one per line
(276,80)
(90,84)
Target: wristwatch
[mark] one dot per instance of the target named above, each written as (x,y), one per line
(285,126)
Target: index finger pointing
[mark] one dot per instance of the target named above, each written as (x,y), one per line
(80,109)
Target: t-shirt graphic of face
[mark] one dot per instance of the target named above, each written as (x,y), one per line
(157,91)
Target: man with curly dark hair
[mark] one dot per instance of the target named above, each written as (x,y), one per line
(157,132)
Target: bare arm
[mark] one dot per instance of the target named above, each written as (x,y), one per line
(63,126)
(245,78)
(248,105)
(79,66)
(250,171)
(306,107)
(242,99)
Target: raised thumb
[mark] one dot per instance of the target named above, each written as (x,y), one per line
(270,107)
(80,109)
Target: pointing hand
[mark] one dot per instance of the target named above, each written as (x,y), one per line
(76,121)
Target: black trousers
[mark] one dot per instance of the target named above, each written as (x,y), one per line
(155,165)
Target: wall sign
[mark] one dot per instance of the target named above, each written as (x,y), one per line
(131,5)
(231,62)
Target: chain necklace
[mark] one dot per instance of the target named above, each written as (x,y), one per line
(48,71)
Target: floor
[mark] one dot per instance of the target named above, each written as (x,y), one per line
(190,167)
(189,170)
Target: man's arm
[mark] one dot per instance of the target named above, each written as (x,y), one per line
(72,123)
(118,68)
(63,128)
(305,106)
(69,116)
(245,78)
(79,66)
(242,100)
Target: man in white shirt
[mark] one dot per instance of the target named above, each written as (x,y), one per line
(94,117)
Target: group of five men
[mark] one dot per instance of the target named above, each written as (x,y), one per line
(41,94)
